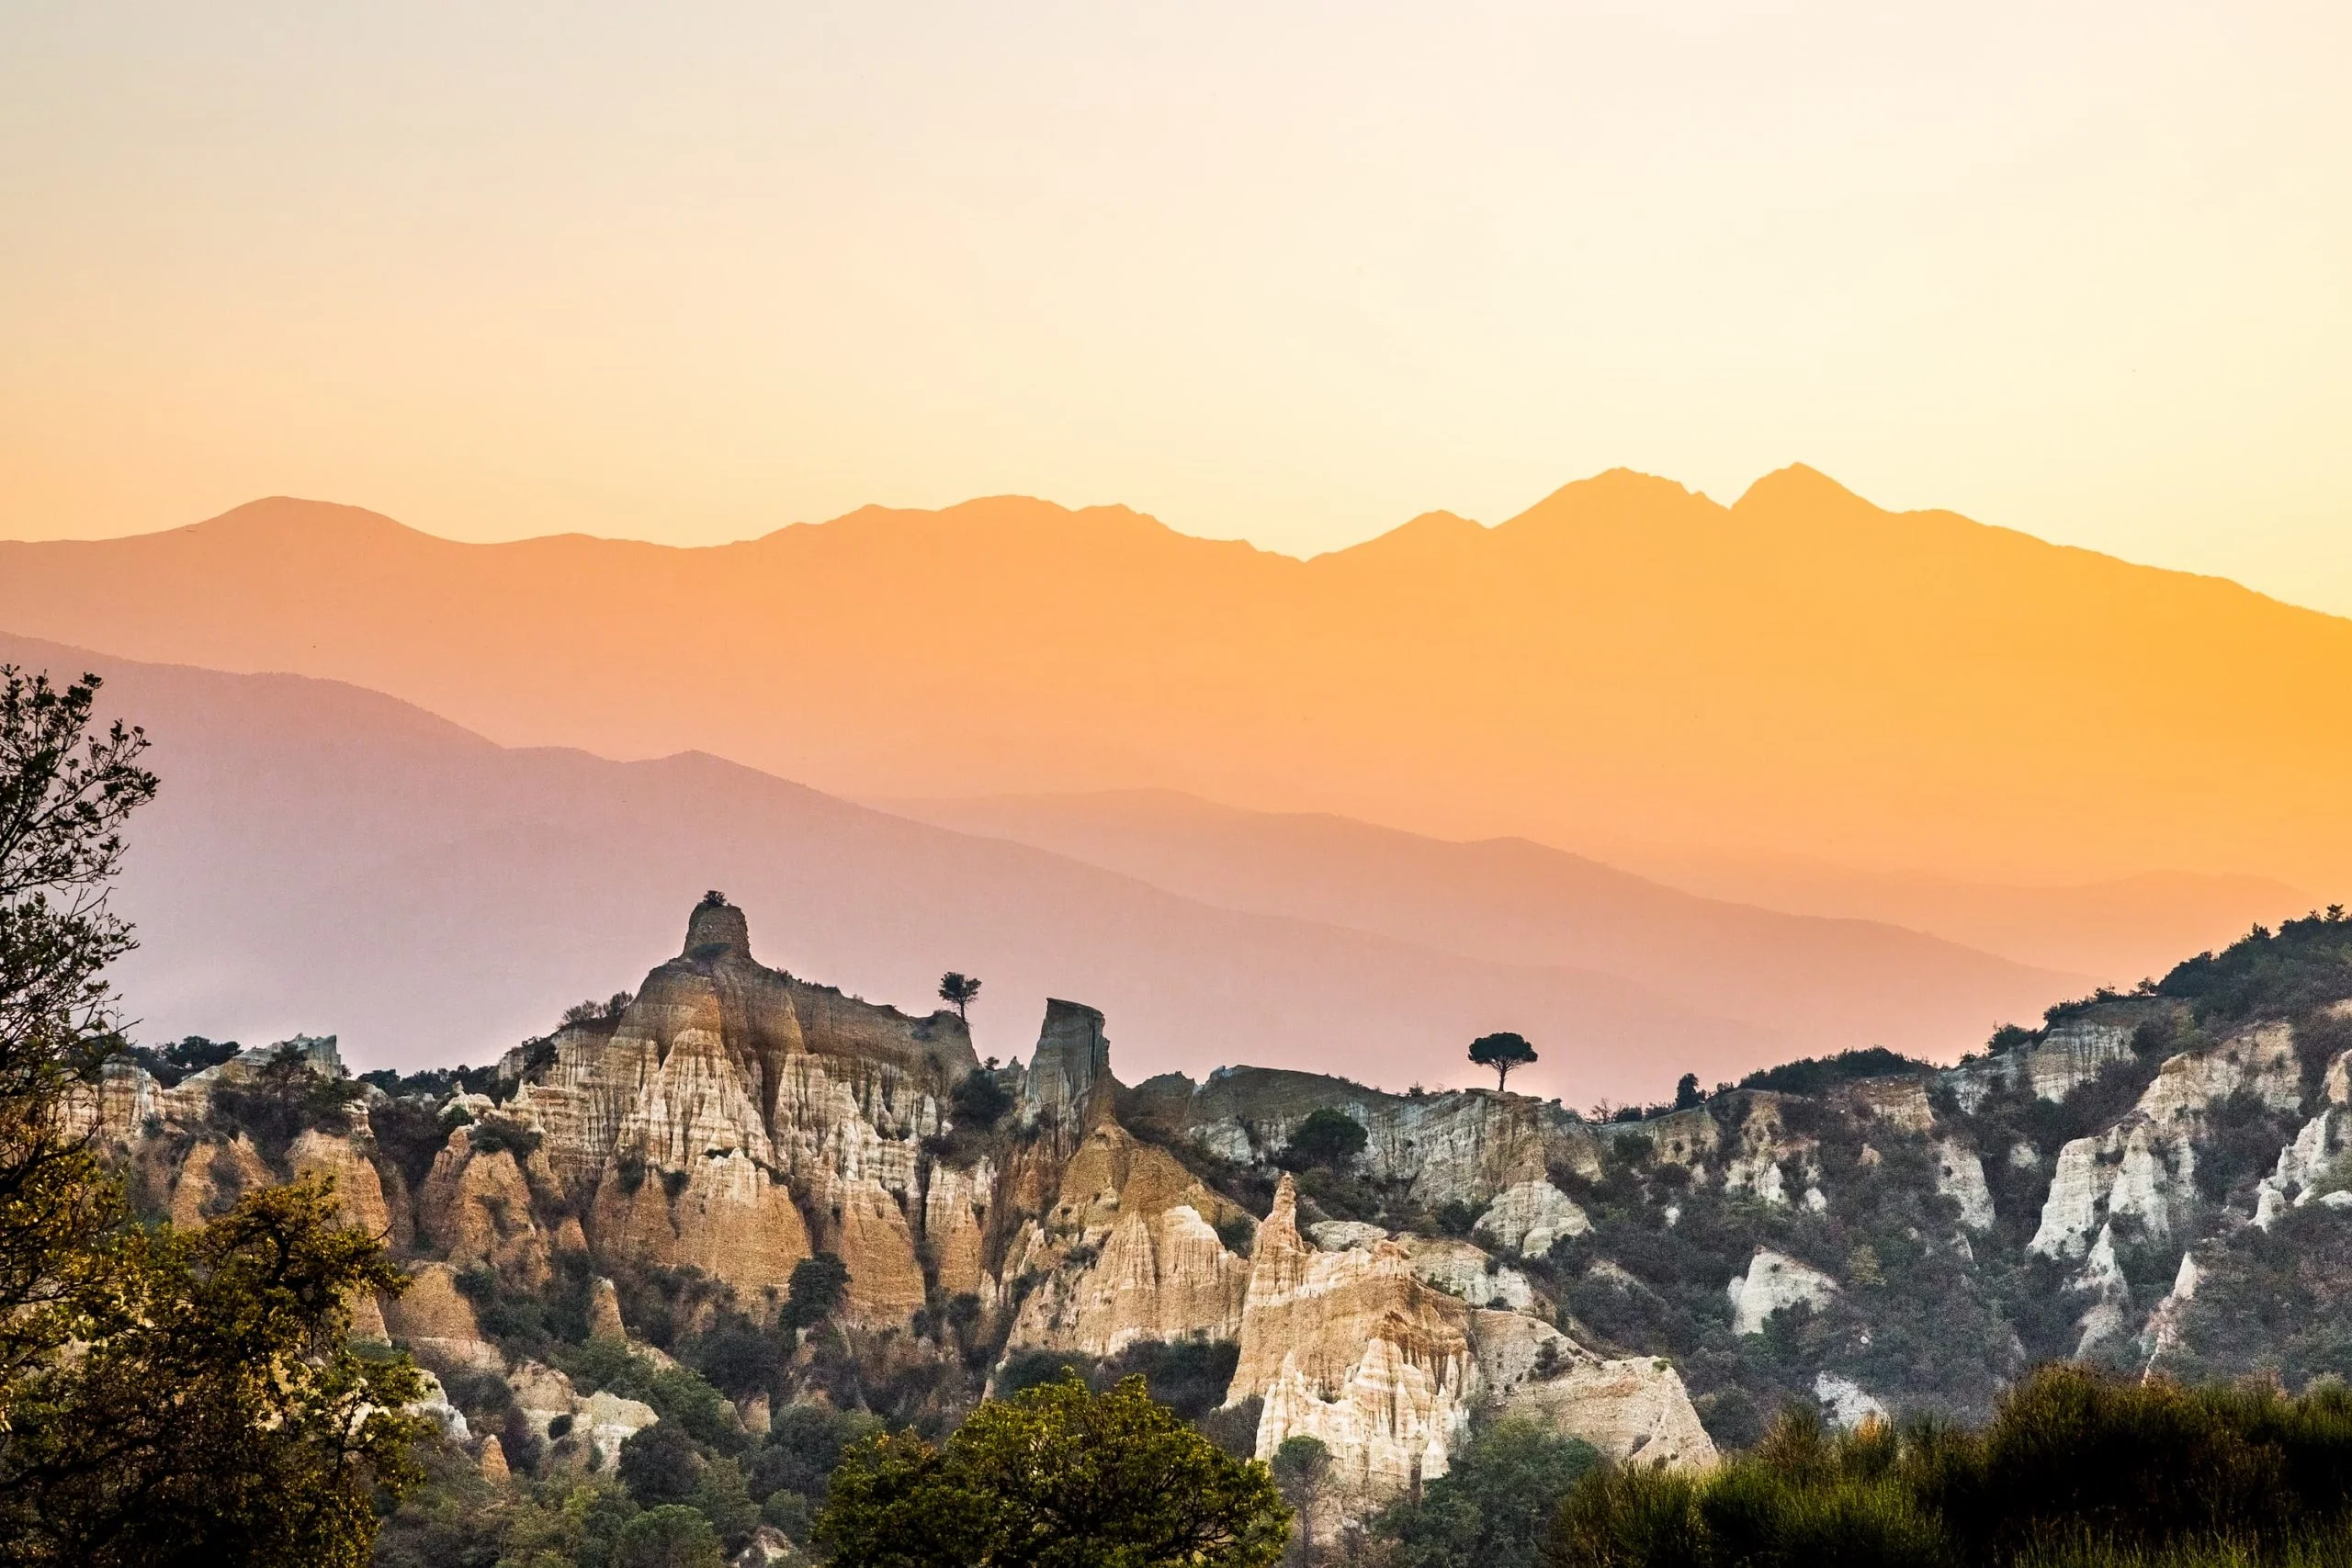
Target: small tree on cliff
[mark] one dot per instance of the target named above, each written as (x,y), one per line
(1328,1138)
(1502,1052)
(957,990)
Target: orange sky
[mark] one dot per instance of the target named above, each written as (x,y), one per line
(1292,273)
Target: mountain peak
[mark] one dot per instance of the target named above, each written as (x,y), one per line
(1796,487)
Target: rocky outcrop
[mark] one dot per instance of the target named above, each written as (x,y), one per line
(1527,1217)
(2067,1055)
(736,1120)
(476,1208)
(1631,1409)
(1846,1401)
(358,1190)
(1353,1348)
(1073,1056)
(1130,1251)
(1774,1282)
(1460,1147)
(1461,1270)
(2141,1168)
(436,1321)
(607,1421)
(214,1174)
(1959,1176)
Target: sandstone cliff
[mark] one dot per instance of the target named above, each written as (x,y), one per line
(2132,1183)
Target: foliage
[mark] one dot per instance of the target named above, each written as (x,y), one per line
(2074,1467)
(285,1097)
(671,1537)
(64,795)
(166,1395)
(805,1443)
(1502,1052)
(817,1288)
(1815,1075)
(660,1465)
(589,1015)
(503,1135)
(1490,1509)
(978,1101)
(959,991)
(737,1356)
(174,1064)
(1324,1140)
(217,1413)
(677,1394)
(1060,1478)
(439,1083)
(2300,968)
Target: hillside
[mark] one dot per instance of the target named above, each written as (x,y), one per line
(1799,673)
(327,860)
(2162,1179)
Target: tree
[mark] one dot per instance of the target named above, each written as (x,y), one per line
(1489,1509)
(818,1284)
(64,795)
(1057,1478)
(978,1101)
(1326,1137)
(166,1395)
(1502,1052)
(1685,1093)
(673,1535)
(660,1465)
(1302,1471)
(958,990)
(217,1414)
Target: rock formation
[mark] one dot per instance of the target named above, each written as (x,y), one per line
(1487,1254)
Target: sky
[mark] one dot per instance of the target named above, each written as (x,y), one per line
(1292,273)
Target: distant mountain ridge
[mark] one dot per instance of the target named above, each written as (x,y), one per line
(1798,674)
(326,858)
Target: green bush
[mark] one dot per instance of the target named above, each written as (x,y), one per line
(1488,1509)
(2075,1468)
(1325,1140)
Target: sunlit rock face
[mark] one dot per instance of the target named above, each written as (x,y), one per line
(1466,1146)
(2142,1168)
(1130,1251)
(736,1120)
(1353,1348)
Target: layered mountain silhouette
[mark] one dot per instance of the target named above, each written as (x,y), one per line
(1798,674)
(1523,902)
(328,859)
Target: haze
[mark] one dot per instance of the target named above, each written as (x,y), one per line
(1289,273)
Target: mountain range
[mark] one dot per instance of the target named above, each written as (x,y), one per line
(331,860)
(1800,674)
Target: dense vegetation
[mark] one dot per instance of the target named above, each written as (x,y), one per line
(166,1395)
(2073,1469)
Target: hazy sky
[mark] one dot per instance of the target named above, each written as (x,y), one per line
(1290,271)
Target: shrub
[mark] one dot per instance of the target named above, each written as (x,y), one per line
(1325,1140)
(978,1101)
(2090,1468)
(1815,1074)
(503,1135)
(1488,1509)
(817,1288)
(660,1465)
